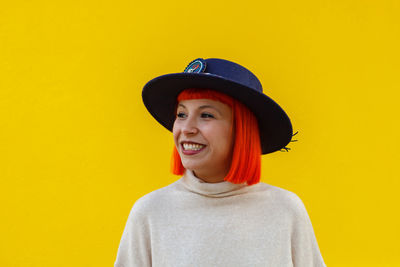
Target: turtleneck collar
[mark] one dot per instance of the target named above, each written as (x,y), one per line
(221,189)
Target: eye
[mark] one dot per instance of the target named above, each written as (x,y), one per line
(207,115)
(181,115)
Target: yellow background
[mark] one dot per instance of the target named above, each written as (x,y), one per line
(77,147)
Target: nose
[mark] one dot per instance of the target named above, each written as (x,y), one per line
(190,127)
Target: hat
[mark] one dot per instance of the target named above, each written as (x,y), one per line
(160,97)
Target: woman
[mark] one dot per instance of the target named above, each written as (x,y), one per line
(218,213)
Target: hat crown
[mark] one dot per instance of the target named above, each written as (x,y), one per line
(234,72)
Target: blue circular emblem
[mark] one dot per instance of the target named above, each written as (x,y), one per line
(196,66)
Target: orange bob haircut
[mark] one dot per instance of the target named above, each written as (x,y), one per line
(246,158)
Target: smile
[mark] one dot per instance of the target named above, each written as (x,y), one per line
(191,148)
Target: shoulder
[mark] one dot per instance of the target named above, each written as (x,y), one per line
(283,198)
(154,201)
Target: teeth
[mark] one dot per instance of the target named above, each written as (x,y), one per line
(195,147)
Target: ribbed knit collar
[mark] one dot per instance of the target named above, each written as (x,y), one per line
(221,189)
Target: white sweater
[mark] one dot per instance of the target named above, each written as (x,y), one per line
(194,223)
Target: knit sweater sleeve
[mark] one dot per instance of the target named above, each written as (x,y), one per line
(304,246)
(135,248)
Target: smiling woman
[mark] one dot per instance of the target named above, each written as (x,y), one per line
(244,157)
(203,137)
(218,213)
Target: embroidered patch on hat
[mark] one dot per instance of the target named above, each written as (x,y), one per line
(196,66)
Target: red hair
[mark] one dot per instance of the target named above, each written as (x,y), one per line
(246,158)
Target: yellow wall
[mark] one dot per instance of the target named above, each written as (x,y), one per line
(77,146)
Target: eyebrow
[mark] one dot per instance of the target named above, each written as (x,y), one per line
(203,107)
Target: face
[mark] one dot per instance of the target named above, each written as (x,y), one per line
(203,136)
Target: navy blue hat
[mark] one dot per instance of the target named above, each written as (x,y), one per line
(160,97)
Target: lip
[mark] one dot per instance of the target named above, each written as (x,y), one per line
(191,152)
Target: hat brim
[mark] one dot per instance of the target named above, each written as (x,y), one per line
(160,94)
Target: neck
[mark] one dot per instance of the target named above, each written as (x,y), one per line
(210,178)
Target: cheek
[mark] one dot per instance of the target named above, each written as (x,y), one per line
(175,133)
(229,139)
(222,138)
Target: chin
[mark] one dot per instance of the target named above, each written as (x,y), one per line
(192,166)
